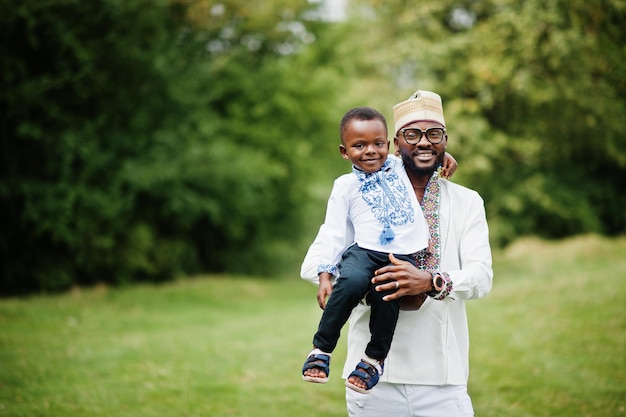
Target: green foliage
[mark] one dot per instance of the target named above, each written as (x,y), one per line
(71,93)
(142,140)
(553,85)
(534,95)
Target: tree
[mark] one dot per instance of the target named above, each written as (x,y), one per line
(534,93)
(141,140)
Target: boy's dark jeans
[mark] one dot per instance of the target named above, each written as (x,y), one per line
(356,270)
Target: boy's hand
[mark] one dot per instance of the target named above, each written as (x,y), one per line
(448,166)
(324,290)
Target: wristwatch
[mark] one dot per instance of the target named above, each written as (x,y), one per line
(438,284)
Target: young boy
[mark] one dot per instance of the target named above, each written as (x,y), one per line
(374,207)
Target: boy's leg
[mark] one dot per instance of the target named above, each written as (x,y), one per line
(384,315)
(353,283)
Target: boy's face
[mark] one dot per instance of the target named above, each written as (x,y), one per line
(365,144)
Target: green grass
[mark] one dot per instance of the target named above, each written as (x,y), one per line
(548,341)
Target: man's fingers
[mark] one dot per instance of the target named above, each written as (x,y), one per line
(388,269)
(394,260)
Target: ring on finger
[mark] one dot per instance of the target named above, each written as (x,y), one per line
(397,285)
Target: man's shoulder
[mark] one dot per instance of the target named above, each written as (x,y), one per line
(458,190)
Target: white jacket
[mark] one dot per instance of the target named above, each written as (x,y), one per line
(431,345)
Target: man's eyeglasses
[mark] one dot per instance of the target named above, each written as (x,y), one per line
(434,135)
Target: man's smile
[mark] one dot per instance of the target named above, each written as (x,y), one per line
(424,155)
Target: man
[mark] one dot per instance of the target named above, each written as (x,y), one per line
(427,368)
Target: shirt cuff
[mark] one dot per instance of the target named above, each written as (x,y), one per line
(331,269)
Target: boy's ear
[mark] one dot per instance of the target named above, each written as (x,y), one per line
(344,152)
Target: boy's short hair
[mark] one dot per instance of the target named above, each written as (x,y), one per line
(360,113)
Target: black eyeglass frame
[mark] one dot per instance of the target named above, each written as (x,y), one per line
(422,133)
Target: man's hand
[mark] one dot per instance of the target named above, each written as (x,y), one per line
(406,279)
(412,302)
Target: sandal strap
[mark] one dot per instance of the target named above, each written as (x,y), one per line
(376,364)
(317,361)
(368,373)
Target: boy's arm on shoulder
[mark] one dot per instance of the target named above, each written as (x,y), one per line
(448,166)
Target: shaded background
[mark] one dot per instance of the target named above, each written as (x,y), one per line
(146,140)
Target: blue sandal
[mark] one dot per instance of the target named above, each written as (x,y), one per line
(368,372)
(317,360)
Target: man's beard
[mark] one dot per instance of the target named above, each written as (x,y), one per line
(409,164)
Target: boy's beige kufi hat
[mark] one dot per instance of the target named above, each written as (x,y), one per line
(422,105)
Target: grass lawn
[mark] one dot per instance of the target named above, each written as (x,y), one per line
(550,340)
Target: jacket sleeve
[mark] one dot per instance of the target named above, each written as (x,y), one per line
(473,276)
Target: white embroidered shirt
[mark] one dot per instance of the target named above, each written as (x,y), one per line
(378,211)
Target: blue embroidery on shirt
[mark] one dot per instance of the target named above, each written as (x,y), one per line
(331,269)
(388,198)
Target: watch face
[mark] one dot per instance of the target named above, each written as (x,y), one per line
(438,283)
